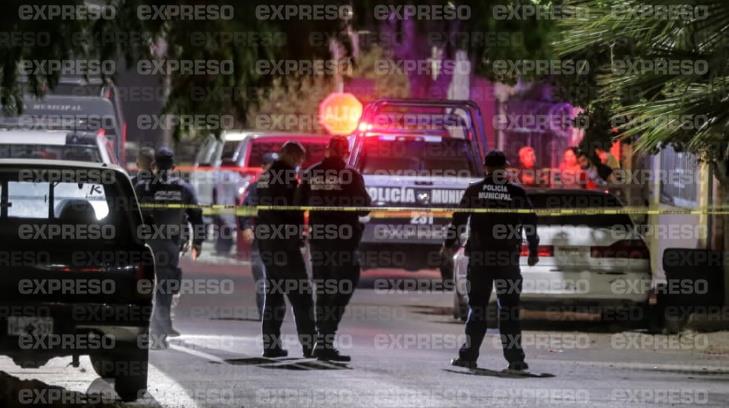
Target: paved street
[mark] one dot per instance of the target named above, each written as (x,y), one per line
(401,342)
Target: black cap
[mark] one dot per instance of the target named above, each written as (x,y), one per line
(338,145)
(495,158)
(164,158)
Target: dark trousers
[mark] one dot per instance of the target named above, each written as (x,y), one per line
(168,276)
(286,276)
(336,274)
(508,283)
(257,270)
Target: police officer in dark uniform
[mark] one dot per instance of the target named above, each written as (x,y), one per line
(247,226)
(166,234)
(333,239)
(279,237)
(493,249)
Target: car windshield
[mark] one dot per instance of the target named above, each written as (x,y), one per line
(50,152)
(417,156)
(90,198)
(314,150)
(577,200)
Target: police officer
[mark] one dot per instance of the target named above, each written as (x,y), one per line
(493,249)
(165,236)
(279,237)
(247,225)
(145,160)
(333,239)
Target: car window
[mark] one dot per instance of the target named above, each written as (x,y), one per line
(50,152)
(230,150)
(206,155)
(28,200)
(417,156)
(31,199)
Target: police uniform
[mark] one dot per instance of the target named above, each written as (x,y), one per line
(166,234)
(493,247)
(333,240)
(249,222)
(278,234)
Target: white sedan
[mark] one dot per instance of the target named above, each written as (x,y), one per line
(594,262)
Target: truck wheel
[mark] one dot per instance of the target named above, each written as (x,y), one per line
(130,376)
(130,389)
(103,365)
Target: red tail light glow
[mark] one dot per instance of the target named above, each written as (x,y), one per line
(627,248)
(542,250)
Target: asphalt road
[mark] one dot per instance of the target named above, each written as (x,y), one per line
(401,342)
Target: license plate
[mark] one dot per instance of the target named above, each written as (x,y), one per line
(34,326)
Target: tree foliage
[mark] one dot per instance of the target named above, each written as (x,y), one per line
(666,79)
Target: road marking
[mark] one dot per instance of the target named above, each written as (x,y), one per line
(197,353)
(168,393)
(651,366)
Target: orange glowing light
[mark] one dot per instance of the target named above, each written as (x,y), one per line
(339,113)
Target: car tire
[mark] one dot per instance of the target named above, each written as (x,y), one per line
(130,383)
(102,364)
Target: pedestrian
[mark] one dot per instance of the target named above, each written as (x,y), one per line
(570,172)
(333,239)
(166,233)
(597,175)
(145,160)
(528,166)
(247,227)
(493,247)
(279,237)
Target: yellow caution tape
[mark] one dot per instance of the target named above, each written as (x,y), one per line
(406,212)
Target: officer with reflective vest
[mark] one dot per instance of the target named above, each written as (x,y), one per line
(334,236)
(172,205)
(493,247)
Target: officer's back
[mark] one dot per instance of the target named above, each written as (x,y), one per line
(502,212)
(496,230)
(330,183)
(171,202)
(277,187)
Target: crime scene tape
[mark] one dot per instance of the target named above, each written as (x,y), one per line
(401,212)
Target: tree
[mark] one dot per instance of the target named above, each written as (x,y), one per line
(133,28)
(666,79)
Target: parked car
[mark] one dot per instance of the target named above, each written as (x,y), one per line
(56,145)
(79,102)
(96,115)
(76,278)
(585,260)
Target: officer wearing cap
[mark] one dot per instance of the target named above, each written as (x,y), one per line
(279,237)
(333,239)
(493,248)
(177,205)
(247,225)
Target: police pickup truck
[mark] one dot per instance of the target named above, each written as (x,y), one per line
(414,156)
